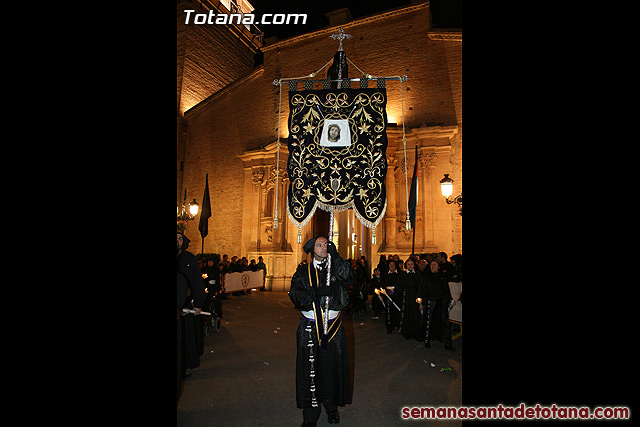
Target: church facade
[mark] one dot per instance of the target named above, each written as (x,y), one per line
(230,131)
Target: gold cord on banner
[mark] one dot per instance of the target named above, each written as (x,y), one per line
(278,82)
(404,146)
(275,214)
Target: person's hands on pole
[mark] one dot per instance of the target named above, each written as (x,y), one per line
(331,248)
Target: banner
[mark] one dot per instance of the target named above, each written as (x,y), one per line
(337,153)
(243,281)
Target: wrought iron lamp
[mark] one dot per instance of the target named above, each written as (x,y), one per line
(446,186)
(193,208)
(188,215)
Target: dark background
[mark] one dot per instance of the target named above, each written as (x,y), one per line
(445,13)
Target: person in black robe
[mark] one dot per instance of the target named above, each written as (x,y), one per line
(445,267)
(193,330)
(359,292)
(410,318)
(182,296)
(322,361)
(376,304)
(435,292)
(262,266)
(382,264)
(213,286)
(389,283)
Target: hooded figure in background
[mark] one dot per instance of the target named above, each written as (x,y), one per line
(435,292)
(187,264)
(181,295)
(322,361)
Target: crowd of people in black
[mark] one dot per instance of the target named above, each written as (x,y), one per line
(412,296)
(235,265)
(201,288)
(240,264)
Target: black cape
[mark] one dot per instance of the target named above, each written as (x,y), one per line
(411,318)
(187,264)
(393,315)
(321,374)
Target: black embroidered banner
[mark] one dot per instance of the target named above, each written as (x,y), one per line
(337,153)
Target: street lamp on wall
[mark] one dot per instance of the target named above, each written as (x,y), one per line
(446,186)
(189,212)
(193,208)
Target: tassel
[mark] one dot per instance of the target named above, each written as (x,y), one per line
(299,235)
(373,237)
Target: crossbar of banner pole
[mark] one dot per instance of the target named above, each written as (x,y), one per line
(277,82)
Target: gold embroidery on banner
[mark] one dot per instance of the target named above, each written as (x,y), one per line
(334,176)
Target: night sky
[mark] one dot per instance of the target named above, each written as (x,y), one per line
(446,13)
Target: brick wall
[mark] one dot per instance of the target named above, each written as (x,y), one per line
(243,118)
(209,58)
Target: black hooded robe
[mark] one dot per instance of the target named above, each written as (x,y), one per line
(193,329)
(393,315)
(321,374)
(181,296)
(410,318)
(436,297)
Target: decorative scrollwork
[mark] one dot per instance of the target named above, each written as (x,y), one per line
(337,177)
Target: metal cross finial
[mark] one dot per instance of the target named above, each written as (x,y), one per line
(340,36)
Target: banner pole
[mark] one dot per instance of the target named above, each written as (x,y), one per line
(326,303)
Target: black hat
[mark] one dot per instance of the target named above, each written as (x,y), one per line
(308,247)
(185,241)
